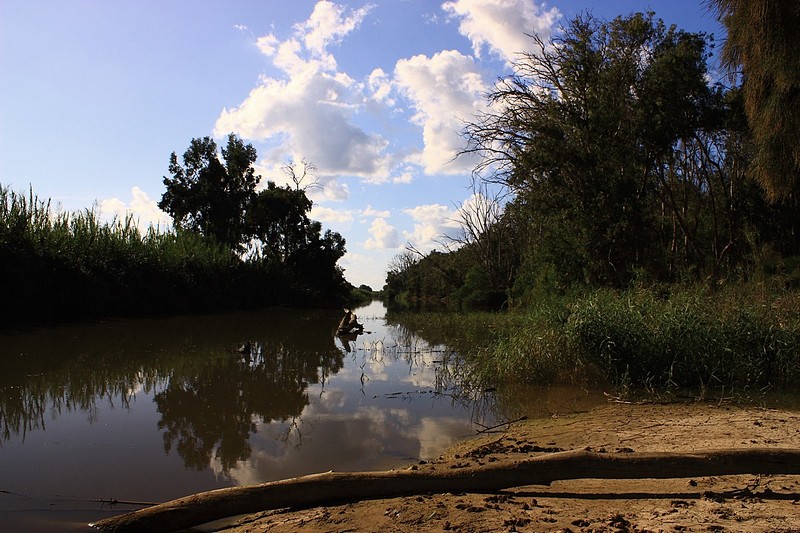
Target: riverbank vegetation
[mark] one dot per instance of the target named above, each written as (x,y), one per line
(262,251)
(624,214)
(743,338)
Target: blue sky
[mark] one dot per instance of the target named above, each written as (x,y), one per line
(96,94)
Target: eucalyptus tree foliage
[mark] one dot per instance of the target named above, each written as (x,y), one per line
(577,131)
(210,196)
(218,199)
(278,220)
(282,233)
(763,47)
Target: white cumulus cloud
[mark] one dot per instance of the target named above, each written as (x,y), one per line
(445,90)
(369,211)
(381,86)
(330,215)
(502,25)
(145,212)
(432,223)
(308,113)
(383,235)
(329,23)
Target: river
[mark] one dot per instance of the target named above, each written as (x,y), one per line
(147,410)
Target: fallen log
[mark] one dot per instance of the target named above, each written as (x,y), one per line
(341,487)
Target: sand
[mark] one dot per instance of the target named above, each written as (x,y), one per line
(742,503)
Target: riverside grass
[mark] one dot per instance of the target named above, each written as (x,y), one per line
(739,338)
(58,266)
(743,338)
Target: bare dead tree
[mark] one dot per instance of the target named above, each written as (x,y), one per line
(402,262)
(300,172)
(482,229)
(501,136)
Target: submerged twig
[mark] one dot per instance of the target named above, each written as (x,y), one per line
(114,501)
(489,429)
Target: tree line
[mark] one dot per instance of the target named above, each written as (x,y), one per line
(609,159)
(218,199)
(232,247)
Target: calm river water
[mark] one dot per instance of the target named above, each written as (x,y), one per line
(150,410)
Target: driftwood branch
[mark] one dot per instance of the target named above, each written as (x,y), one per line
(340,487)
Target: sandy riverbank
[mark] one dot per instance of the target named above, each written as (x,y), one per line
(744,503)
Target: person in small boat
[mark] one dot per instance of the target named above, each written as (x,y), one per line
(349,324)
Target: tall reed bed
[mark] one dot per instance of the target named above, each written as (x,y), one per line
(743,338)
(57,265)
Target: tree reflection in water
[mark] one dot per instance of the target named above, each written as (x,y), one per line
(210,399)
(153,409)
(211,415)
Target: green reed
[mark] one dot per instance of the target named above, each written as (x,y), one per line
(743,338)
(738,338)
(57,265)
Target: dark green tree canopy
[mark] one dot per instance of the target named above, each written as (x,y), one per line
(218,198)
(618,163)
(208,195)
(282,233)
(278,219)
(579,128)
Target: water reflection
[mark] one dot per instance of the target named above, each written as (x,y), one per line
(348,340)
(204,384)
(151,410)
(264,384)
(41,385)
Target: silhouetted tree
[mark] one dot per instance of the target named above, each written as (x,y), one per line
(278,218)
(210,196)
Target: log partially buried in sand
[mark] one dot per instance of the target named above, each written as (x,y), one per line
(342,487)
